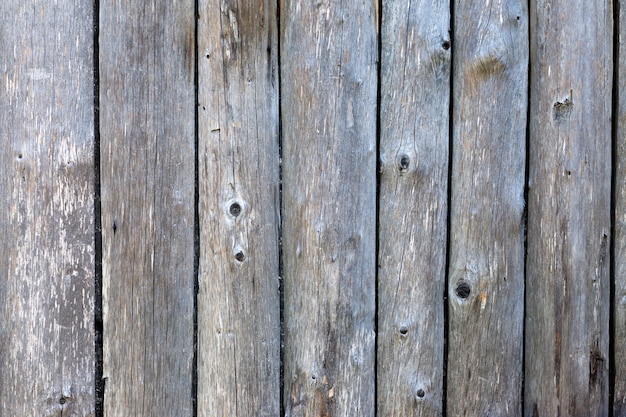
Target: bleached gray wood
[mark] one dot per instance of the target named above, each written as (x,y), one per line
(147,65)
(328,91)
(619,301)
(414,137)
(568,287)
(486,277)
(46,209)
(239,298)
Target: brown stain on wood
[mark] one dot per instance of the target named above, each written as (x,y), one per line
(486,67)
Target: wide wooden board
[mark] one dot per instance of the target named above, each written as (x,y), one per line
(147,119)
(46,209)
(568,282)
(328,92)
(486,275)
(239,298)
(413,206)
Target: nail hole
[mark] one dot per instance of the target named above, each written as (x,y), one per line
(445,45)
(404,162)
(420,393)
(235,209)
(463,290)
(404,331)
(568,172)
(62,400)
(208,56)
(240,257)
(518,18)
(19,155)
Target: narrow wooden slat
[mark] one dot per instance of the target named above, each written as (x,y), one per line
(486,277)
(568,288)
(239,299)
(619,302)
(328,90)
(414,137)
(46,209)
(147,109)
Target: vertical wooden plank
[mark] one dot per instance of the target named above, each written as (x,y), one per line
(567,333)
(328,90)
(147,68)
(414,137)
(239,299)
(619,302)
(46,210)
(486,277)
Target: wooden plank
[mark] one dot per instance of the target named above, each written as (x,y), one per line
(46,210)
(147,66)
(568,288)
(239,298)
(486,276)
(328,93)
(619,302)
(414,137)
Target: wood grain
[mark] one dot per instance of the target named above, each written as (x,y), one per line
(413,208)
(568,282)
(46,210)
(239,298)
(328,90)
(147,64)
(619,301)
(486,276)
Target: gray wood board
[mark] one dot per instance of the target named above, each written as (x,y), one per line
(568,282)
(46,211)
(413,206)
(619,302)
(486,276)
(147,66)
(239,298)
(328,90)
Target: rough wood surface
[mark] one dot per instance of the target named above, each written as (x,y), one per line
(328,90)
(147,110)
(46,209)
(486,277)
(568,287)
(619,302)
(239,298)
(414,136)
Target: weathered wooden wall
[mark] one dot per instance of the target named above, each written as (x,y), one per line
(377,208)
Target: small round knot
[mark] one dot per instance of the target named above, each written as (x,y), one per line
(463,290)
(420,393)
(235,209)
(240,256)
(404,162)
